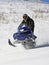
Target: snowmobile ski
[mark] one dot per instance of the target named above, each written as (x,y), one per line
(10,43)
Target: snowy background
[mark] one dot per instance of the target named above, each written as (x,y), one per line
(10,17)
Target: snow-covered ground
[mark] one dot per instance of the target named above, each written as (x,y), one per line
(10,17)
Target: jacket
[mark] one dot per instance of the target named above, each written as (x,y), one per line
(29,23)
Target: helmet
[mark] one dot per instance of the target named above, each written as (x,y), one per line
(25,16)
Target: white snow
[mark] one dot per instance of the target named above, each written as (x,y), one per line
(10,17)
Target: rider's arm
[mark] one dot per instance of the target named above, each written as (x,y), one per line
(21,24)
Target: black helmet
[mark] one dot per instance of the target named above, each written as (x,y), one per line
(25,16)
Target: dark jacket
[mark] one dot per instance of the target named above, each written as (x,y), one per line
(29,23)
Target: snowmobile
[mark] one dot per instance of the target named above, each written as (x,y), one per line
(25,37)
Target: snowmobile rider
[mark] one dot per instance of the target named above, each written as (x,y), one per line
(28,22)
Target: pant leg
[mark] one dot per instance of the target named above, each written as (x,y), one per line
(33,36)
